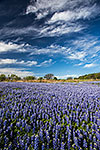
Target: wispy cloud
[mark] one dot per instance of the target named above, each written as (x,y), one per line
(77,55)
(45,63)
(60,29)
(44,6)
(90,65)
(85,48)
(60,17)
(15,61)
(51,50)
(5,47)
(7,61)
(73,15)
(65,15)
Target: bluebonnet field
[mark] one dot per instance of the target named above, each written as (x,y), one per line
(48,116)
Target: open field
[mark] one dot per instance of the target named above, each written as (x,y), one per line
(55,81)
(50,116)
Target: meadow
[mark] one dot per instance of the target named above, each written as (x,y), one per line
(50,116)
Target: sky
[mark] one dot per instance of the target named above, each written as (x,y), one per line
(38,37)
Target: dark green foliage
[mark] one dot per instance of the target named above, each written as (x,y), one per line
(69,78)
(40,78)
(55,78)
(49,76)
(2,77)
(30,78)
(90,76)
(14,77)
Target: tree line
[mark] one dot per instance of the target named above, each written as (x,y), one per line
(14,77)
(50,76)
(90,76)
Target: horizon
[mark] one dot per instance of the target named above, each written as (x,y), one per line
(38,37)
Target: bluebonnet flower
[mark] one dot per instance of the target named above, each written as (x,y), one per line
(36,142)
(76,141)
(95,145)
(54,143)
(98,122)
(84,143)
(94,138)
(5,123)
(18,124)
(90,137)
(43,146)
(62,146)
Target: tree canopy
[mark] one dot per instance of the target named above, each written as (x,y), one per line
(30,78)
(2,77)
(49,76)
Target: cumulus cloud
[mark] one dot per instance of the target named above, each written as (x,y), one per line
(18,71)
(90,65)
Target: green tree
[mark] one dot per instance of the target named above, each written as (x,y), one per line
(49,76)
(14,77)
(69,78)
(40,78)
(55,78)
(30,78)
(2,77)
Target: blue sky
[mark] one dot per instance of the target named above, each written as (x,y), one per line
(39,37)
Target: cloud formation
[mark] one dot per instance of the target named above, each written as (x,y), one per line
(90,65)
(45,63)
(64,15)
(67,76)
(22,72)
(9,46)
(25,63)
(73,15)
(77,55)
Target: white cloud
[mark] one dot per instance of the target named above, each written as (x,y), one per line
(7,61)
(15,61)
(79,64)
(77,55)
(5,47)
(89,45)
(90,65)
(44,5)
(31,63)
(45,63)
(69,15)
(18,71)
(52,50)
(86,43)
(68,75)
(54,30)
(64,15)
(25,63)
